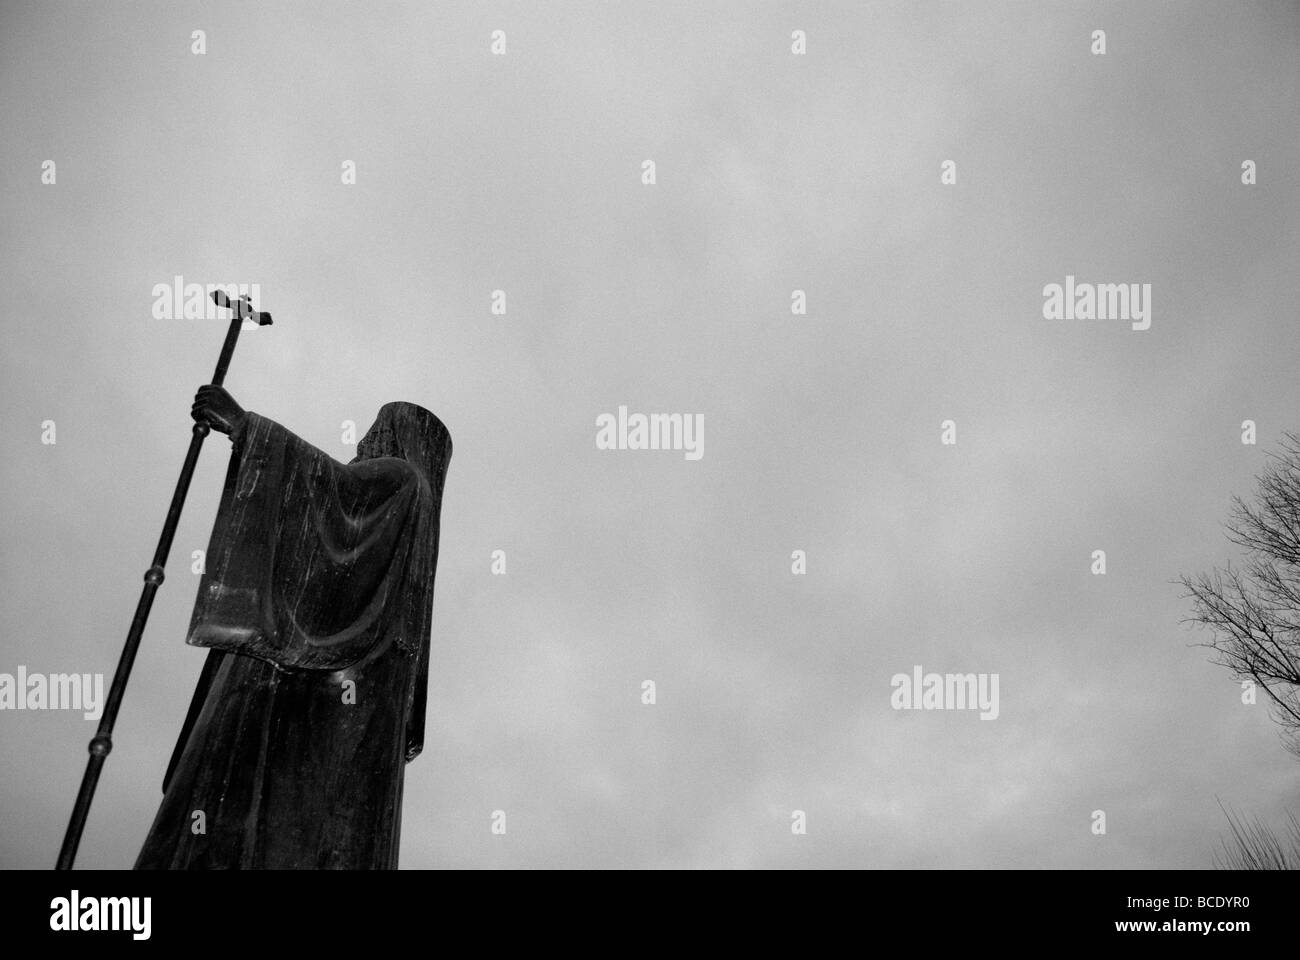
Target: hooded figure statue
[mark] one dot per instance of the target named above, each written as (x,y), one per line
(316,607)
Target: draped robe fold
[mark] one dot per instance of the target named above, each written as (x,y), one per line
(316,607)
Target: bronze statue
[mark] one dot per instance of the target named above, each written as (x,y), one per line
(315,606)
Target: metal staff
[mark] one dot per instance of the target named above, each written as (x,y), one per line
(102,742)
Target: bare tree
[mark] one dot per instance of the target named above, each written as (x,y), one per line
(1254,846)
(1253,611)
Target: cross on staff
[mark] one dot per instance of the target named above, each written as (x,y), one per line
(100,745)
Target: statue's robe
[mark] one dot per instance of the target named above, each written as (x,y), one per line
(316,605)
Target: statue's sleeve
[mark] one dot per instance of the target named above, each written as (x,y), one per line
(305,552)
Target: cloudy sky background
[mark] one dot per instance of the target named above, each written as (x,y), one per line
(775,172)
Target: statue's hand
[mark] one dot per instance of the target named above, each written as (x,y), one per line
(217,408)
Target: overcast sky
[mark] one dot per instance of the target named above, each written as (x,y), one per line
(775,172)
